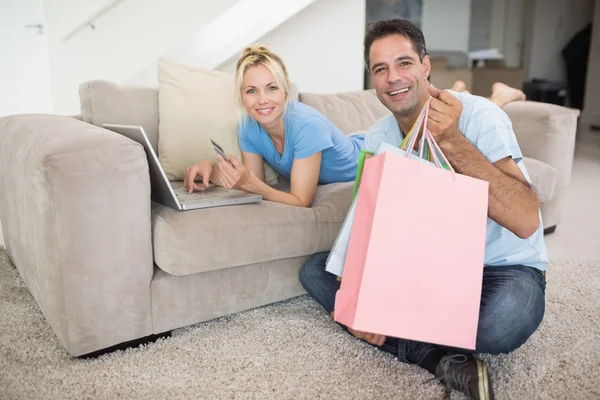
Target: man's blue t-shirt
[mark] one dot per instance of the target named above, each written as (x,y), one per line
(490,130)
(306,132)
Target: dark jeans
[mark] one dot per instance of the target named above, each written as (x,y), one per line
(512,307)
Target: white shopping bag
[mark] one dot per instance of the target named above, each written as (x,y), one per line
(337,256)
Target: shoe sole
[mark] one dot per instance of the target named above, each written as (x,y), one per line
(484,389)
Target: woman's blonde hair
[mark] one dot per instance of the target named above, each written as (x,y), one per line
(260,55)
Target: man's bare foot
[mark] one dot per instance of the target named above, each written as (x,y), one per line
(460,86)
(503,94)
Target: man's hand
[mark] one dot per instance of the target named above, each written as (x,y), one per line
(512,203)
(444,113)
(375,340)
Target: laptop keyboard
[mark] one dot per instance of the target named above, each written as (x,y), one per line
(184,196)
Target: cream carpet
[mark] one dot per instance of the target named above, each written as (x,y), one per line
(292,350)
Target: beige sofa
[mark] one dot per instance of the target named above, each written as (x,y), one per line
(106,265)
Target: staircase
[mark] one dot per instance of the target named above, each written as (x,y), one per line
(217,42)
(121,40)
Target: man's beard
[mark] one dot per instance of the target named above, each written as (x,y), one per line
(405,111)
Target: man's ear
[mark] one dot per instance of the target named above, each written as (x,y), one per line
(426,66)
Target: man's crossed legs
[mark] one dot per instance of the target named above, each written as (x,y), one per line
(512,308)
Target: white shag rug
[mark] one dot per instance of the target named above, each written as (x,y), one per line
(293,350)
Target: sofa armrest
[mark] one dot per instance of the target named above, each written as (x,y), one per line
(546,132)
(75,205)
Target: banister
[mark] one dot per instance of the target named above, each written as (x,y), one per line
(90,21)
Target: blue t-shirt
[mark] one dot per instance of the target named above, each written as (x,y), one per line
(306,132)
(490,130)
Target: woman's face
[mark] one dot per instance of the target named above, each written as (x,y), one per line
(263,98)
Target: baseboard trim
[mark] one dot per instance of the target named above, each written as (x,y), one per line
(127,345)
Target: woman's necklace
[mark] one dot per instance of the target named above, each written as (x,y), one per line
(280,147)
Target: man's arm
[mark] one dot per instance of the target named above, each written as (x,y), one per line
(512,202)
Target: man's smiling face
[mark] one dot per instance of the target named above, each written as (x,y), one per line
(398,75)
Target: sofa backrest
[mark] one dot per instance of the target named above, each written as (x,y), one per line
(351,111)
(103,102)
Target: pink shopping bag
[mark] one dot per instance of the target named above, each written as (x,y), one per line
(414,265)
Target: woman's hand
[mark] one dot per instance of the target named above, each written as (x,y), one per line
(203,169)
(234,174)
(231,173)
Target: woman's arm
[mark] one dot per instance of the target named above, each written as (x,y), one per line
(304,180)
(255,164)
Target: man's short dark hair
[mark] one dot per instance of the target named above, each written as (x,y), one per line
(381,29)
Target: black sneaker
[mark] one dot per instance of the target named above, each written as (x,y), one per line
(465,373)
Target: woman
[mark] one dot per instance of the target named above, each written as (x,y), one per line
(294,138)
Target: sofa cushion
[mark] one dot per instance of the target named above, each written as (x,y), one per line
(180,301)
(543,178)
(196,105)
(351,111)
(105,102)
(203,240)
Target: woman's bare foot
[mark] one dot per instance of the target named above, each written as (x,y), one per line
(460,86)
(503,94)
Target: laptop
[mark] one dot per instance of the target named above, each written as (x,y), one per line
(179,198)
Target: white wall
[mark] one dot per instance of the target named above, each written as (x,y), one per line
(554,23)
(24,74)
(125,40)
(322,46)
(214,43)
(446,24)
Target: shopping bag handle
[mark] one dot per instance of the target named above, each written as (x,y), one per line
(433,145)
(414,132)
(426,137)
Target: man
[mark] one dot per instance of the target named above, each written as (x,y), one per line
(477,138)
